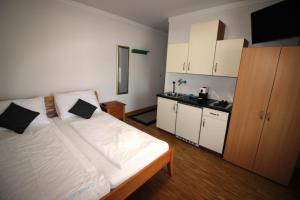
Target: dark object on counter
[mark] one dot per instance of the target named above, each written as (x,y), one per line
(221,104)
(203,94)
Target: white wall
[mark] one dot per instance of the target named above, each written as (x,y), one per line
(51,46)
(237,19)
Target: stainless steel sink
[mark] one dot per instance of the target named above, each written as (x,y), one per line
(174,95)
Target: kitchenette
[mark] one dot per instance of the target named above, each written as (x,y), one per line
(228,98)
(201,74)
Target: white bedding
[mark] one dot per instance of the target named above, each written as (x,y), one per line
(43,164)
(116,140)
(112,173)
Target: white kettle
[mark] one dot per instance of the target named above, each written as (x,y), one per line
(204,90)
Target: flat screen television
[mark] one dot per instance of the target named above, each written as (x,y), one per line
(278,21)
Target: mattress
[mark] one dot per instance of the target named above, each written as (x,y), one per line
(42,163)
(112,173)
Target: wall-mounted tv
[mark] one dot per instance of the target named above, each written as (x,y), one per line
(278,21)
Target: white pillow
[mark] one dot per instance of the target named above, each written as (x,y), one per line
(65,101)
(35,104)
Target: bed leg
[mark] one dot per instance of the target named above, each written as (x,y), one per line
(170,164)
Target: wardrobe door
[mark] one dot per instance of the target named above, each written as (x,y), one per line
(254,85)
(280,141)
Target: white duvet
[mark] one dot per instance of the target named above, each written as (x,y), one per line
(114,139)
(43,164)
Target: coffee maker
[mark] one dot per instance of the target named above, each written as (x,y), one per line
(203,94)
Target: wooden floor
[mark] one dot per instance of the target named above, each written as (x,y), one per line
(200,174)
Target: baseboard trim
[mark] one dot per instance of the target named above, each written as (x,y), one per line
(140,110)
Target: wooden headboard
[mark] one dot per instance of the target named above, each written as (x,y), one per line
(50,106)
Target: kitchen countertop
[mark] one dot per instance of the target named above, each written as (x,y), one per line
(193,101)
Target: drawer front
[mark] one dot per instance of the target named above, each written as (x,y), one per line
(215,114)
(117,112)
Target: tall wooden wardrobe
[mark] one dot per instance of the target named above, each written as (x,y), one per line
(264,132)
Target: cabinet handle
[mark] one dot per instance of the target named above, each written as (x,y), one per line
(216,66)
(183,66)
(261,115)
(189,66)
(214,114)
(203,123)
(268,116)
(175,108)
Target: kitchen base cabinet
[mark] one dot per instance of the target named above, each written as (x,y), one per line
(188,122)
(166,114)
(213,130)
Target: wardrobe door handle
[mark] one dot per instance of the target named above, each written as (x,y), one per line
(203,123)
(183,66)
(261,115)
(268,116)
(189,66)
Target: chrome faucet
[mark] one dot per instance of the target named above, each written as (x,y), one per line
(181,81)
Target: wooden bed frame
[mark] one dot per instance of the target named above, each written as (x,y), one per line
(137,180)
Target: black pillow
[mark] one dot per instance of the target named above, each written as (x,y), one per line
(83,109)
(17,118)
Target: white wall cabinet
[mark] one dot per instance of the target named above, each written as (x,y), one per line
(228,57)
(166,114)
(188,122)
(213,129)
(177,57)
(202,44)
(197,56)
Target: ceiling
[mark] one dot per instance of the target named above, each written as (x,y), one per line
(153,13)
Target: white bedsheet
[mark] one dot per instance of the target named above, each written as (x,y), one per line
(116,140)
(43,164)
(112,173)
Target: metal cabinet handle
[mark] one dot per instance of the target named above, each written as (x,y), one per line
(183,66)
(175,107)
(189,66)
(268,116)
(203,123)
(261,115)
(214,114)
(216,66)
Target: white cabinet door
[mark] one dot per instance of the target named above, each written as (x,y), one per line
(213,129)
(202,44)
(228,57)
(188,122)
(177,57)
(166,114)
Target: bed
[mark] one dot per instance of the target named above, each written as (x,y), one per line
(42,164)
(123,180)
